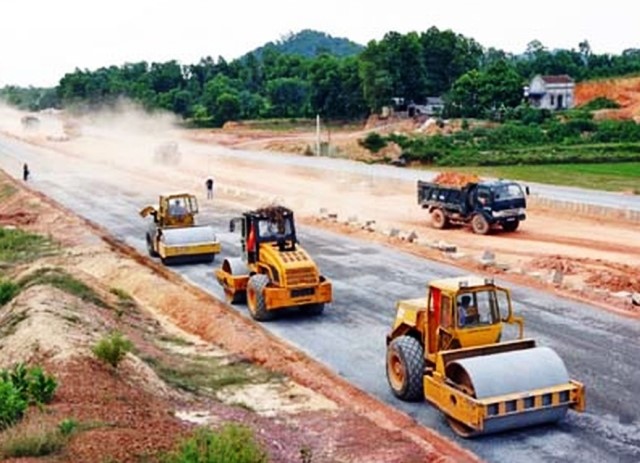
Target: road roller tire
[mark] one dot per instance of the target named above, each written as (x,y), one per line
(405,368)
(314,309)
(255,298)
(235,298)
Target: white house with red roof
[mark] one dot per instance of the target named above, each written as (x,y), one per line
(551,92)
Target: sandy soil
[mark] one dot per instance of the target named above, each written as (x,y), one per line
(131,413)
(602,253)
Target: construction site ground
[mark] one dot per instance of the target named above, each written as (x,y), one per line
(599,256)
(225,369)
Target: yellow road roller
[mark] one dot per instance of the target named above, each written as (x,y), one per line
(174,236)
(448,348)
(274,271)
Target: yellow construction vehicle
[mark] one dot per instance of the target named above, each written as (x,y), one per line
(447,348)
(173,234)
(274,271)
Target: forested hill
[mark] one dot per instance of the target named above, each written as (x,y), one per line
(309,43)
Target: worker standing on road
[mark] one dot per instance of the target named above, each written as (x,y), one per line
(25,172)
(209,184)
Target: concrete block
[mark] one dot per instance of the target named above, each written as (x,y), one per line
(369,225)
(393,233)
(412,237)
(488,257)
(332,216)
(456,255)
(502,266)
(556,277)
(447,247)
(622,294)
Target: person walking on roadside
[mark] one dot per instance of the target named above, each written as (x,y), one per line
(25,172)
(209,185)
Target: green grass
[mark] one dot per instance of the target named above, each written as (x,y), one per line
(174,339)
(624,176)
(199,374)
(19,246)
(6,191)
(58,278)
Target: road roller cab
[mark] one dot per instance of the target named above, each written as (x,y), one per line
(448,348)
(174,236)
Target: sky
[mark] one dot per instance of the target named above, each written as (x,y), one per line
(41,40)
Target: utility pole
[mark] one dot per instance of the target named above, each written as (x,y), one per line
(318,135)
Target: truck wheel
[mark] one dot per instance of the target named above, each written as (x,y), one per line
(510,226)
(405,368)
(152,252)
(255,298)
(438,219)
(480,225)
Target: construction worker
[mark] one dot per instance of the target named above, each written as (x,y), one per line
(209,185)
(463,307)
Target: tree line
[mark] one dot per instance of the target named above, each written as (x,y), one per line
(474,81)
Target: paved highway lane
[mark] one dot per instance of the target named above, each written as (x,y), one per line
(599,348)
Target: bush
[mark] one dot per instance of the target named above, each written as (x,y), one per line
(112,349)
(8,290)
(12,404)
(232,444)
(374,142)
(67,426)
(42,387)
(600,103)
(33,384)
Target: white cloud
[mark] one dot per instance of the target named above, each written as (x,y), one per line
(43,39)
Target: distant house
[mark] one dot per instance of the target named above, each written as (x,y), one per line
(432,106)
(551,92)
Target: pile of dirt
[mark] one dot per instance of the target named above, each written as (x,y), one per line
(559,263)
(455,179)
(624,91)
(615,282)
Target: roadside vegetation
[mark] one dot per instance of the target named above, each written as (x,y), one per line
(532,145)
(621,176)
(205,374)
(23,386)
(230,444)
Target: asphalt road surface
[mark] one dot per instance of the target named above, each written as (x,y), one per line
(599,348)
